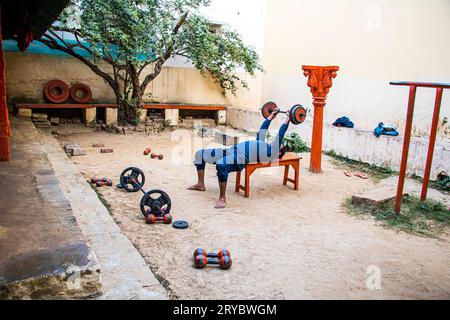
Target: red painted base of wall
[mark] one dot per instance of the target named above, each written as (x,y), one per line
(4,148)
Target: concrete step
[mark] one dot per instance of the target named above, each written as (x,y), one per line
(43,253)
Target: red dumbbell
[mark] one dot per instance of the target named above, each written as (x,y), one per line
(108,183)
(221,259)
(166,219)
(94,180)
(147,151)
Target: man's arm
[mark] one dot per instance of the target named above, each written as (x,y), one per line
(280,137)
(263,131)
(265,126)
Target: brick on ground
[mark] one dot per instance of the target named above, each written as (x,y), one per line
(41,116)
(375,197)
(54,121)
(78,152)
(106,150)
(226,139)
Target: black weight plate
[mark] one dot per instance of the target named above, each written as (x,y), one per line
(155,200)
(268,108)
(297,114)
(180,225)
(132,173)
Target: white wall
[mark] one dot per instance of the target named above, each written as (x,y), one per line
(373,41)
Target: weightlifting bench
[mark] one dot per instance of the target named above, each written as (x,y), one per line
(287,161)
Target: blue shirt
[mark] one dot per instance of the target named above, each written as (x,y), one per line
(259,150)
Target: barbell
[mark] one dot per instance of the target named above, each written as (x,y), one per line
(155,202)
(297,114)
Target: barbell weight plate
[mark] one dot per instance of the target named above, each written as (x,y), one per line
(180,225)
(268,108)
(154,202)
(297,114)
(128,175)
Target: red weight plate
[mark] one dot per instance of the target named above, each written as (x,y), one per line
(268,108)
(56,91)
(298,115)
(86,93)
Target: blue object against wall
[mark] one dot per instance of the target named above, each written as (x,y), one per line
(37,47)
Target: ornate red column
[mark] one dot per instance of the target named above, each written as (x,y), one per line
(320,80)
(4,117)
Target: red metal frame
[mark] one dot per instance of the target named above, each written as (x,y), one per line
(5,131)
(407,140)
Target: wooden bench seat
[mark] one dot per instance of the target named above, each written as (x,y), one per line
(287,161)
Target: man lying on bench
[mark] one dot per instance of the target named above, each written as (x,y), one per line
(237,157)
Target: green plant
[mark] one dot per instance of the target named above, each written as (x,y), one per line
(444,184)
(428,218)
(294,143)
(119,39)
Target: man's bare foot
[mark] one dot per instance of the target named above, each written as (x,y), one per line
(197,187)
(221,203)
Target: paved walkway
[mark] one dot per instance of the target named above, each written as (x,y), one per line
(41,244)
(125,275)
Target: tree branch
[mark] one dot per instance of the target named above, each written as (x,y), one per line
(53,44)
(161,60)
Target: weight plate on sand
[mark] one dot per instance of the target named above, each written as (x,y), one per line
(181,225)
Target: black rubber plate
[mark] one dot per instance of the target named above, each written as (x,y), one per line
(181,225)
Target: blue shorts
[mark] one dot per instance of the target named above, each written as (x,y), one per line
(226,161)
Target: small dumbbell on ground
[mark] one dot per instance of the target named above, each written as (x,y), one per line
(99,182)
(147,151)
(152,219)
(221,259)
(157,156)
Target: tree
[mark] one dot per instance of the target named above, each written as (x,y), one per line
(129,36)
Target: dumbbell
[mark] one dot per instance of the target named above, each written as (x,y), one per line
(222,259)
(101,183)
(94,180)
(147,151)
(156,156)
(152,219)
(297,114)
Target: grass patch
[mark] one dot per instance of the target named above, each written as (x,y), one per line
(376,173)
(429,218)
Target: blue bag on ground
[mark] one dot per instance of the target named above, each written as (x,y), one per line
(344,122)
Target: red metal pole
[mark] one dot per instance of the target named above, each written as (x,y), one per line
(4,117)
(433,134)
(316,144)
(406,143)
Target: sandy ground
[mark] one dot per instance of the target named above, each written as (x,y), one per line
(284,244)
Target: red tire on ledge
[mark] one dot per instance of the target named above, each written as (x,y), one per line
(56,91)
(86,93)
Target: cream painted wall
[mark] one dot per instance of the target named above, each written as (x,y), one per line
(26,75)
(373,41)
(178,83)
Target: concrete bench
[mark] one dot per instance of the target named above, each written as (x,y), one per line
(172,111)
(287,161)
(89,110)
